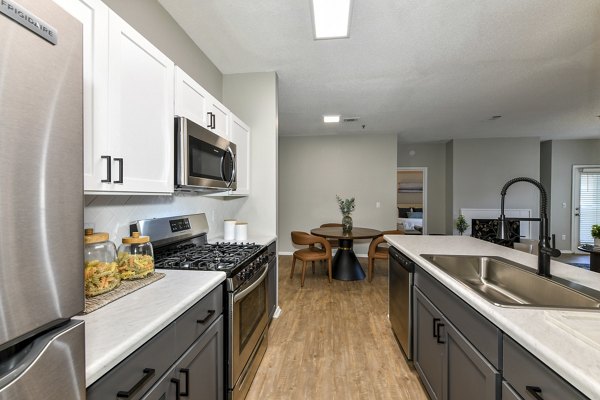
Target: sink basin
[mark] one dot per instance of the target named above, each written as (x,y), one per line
(506,283)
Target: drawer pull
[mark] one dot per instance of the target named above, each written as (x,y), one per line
(176,382)
(148,374)
(535,391)
(203,320)
(435,322)
(186,372)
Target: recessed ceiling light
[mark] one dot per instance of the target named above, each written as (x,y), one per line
(331,18)
(331,118)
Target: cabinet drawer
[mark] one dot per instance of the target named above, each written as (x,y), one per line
(484,335)
(522,369)
(198,318)
(139,371)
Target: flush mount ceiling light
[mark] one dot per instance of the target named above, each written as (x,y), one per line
(331,118)
(331,18)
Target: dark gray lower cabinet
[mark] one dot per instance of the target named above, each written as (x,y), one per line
(449,366)
(429,351)
(272,281)
(529,377)
(198,374)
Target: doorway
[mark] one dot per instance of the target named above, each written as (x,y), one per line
(585,204)
(411,200)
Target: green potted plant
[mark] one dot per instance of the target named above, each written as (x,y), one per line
(346,207)
(461,224)
(596,234)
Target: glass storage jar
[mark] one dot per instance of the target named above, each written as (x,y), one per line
(136,257)
(100,263)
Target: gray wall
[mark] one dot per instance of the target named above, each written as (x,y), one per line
(565,154)
(312,170)
(432,156)
(253,98)
(482,166)
(150,19)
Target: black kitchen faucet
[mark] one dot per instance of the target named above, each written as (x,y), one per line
(545,250)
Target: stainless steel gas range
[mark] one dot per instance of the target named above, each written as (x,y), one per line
(181,243)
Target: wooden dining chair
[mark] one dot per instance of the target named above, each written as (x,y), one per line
(333,242)
(379,250)
(311,253)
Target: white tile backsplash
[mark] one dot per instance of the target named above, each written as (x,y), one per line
(114,213)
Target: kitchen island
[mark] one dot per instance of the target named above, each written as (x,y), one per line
(561,339)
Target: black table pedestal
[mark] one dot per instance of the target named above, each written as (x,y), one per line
(345,264)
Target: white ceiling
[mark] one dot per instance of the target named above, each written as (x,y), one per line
(427,70)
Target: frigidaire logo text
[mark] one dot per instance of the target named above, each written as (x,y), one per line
(28,20)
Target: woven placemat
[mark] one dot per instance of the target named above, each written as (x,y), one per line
(126,287)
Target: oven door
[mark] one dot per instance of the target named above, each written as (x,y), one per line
(204,159)
(250,317)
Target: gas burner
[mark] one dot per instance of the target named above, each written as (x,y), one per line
(220,256)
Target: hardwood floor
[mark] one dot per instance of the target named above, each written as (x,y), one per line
(333,341)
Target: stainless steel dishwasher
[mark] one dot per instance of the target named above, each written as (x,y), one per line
(401,273)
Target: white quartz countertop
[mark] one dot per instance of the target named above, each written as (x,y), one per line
(116,330)
(252,238)
(566,341)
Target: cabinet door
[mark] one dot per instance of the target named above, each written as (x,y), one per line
(240,135)
(429,348)
(218,118)
(191,99)
(200,371)
(93,15)
(140,93)
(468,374)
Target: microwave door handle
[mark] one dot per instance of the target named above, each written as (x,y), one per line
(233,171)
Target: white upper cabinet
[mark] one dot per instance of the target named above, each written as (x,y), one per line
(141,124)
(191,99)
(128,105)
(194,102)
(240,135)
(219,118)
(93,14)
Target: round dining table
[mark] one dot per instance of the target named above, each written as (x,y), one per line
(345,264)
(594,256)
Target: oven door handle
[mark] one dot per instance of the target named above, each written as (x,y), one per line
(239,296)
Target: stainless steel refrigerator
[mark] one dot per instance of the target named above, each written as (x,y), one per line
(41,202)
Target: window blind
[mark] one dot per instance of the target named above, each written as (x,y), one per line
(589,204)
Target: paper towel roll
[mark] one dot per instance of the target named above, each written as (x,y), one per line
(241,231)
(229,229)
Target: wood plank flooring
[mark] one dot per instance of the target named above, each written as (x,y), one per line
(333,341)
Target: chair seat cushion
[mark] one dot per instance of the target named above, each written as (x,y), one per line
(310,254)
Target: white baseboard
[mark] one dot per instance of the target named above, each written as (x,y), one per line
(277,312)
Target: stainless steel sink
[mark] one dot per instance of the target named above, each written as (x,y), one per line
(505,283)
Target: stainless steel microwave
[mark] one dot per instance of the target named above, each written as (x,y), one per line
(204,161)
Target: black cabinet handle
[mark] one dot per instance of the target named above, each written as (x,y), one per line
(176,382)
(211,120)
(108,173)
(120,161)
(148,374)
(535,391)
(186,372)
(203,320)
(435,331)
(214,121)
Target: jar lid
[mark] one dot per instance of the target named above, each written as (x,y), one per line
(135,238)
(90,237)
(241,223)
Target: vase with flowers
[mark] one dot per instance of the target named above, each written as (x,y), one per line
(346,207)
(596,235)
